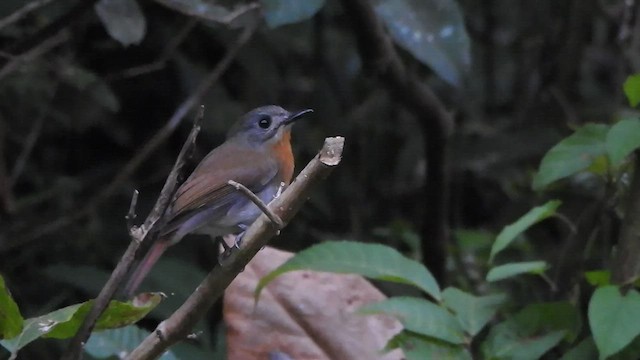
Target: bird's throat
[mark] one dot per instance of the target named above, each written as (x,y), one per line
(282,151)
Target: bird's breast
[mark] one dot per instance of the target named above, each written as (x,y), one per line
(284,155)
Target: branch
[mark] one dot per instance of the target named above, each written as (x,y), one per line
(138,235)
(180,323)
(379,55)
(626,266)
(23,11)
(133,164)
(275,219)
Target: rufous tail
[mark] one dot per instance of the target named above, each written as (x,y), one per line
(157,249)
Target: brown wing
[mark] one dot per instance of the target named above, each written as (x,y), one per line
(207,185)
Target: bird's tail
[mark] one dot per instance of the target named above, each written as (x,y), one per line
(154,253)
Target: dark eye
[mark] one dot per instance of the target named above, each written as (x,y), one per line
(264,122)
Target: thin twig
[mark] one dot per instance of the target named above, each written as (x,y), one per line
(49,44)
(23,11)
(138,235)
(275,219)
(135,162)
(27,148)
(179,325)
(131,215)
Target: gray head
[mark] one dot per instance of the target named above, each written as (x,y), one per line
(264,124)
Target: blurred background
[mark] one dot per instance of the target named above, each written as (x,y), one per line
(85,85)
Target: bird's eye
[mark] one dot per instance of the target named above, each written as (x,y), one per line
(264,122)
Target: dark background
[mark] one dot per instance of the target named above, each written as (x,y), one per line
(73,115)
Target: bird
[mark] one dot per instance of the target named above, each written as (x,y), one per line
(257,154)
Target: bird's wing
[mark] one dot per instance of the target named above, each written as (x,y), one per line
(207,185)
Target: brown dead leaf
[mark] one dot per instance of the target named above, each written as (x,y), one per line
(304,314)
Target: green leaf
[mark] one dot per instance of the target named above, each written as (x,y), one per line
(532,332)
(123,20)
(509,270)
(283,12)
(433,31)
(374,261)
(572,155)
(473,312)
(419,347)
(116,342)
(36,327)
(598,277)
(420,316)
(64,323)
(613,318)
(585,350)
(511,232)
(622,140)
(632,89)
(11,320)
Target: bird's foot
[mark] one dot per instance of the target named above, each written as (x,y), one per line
(226,255)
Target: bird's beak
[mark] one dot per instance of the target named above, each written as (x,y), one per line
(295,116)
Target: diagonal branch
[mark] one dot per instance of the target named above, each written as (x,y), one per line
(179,325)
(275,219)
(138,235)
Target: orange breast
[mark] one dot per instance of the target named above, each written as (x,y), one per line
(284,154)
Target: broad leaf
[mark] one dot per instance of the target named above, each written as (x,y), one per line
(572,155)
(511,232)
(420,316)
(613,318)
(11,320)
(419,347)
(510,270)
(433,31)
(623,139)
(632,89)
(123,20)
(473,312)
(283,12)
(374,261)
(64,323)
(598,277)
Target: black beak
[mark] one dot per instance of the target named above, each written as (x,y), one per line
(296,116)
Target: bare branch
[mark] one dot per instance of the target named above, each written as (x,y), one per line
(23,11)
(131,215)
(626,266)
(138,235)
(275,219)
(179,325)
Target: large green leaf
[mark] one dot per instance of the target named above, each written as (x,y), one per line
(283,12)
(572,155)
(532,332)
(473,312)
(433,31)
(613,318)
(623,139)
(510,270)
(420,316)
(11,320)
(63,323)
(370,260)
(632,89)
(419,347)
(511,232)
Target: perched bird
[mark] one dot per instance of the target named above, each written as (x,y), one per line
(257,153)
